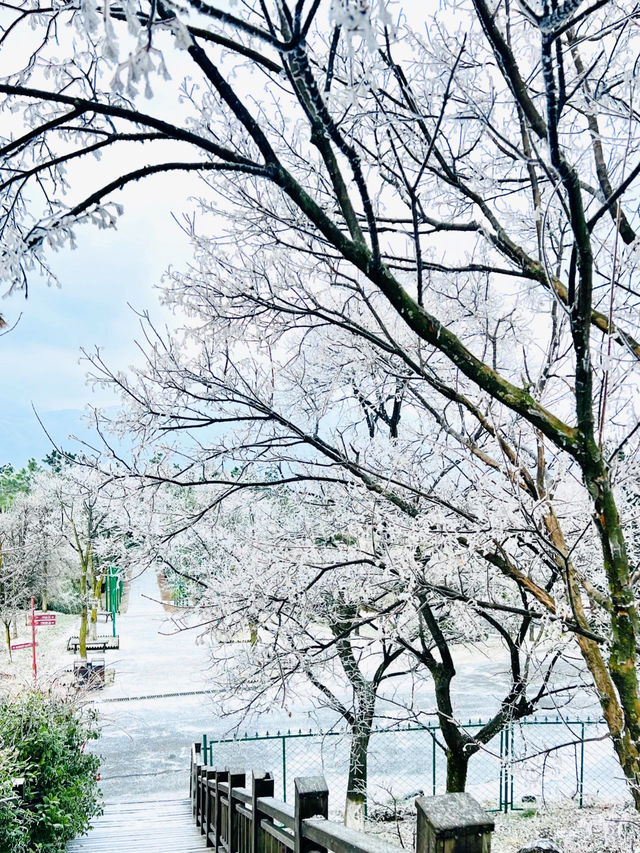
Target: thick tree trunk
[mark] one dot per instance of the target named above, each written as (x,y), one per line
(93,620)
(82,637)
(618,694)
(354,810)
(95,584)
(83,632)
(7,633)
(361,720)
(457,766)
(457,744)
(625,627)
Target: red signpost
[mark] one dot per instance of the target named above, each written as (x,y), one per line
(43,619)
(33,620)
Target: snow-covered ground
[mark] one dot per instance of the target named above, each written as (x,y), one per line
(593,830)
(52,658)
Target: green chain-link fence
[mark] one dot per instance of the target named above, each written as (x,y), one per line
(542,759)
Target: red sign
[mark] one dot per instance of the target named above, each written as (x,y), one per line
(43,619)
(15,646)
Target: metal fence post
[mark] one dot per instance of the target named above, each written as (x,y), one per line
(511,770)
(501,769)
(506,770)
(284,768)
(433,760)
(581,782)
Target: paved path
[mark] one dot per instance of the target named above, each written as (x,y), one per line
(155,659)
(154,826)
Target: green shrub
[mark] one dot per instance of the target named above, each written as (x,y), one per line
(42,739)
(14,821)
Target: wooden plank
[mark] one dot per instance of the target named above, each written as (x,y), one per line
(161,826)
(341,839)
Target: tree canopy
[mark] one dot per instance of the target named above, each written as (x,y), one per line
(414,275)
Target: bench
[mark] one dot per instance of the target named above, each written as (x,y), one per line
(106,615)
(100,644)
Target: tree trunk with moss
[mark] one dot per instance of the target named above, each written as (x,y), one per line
(84,556)
(360,719)
(457,767)
(44,603)
(355,804)
(623,716)
(7,634)
(82,637)
(95,584)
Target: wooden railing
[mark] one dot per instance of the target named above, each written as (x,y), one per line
(240,815)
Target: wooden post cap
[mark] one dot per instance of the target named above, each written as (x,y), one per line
(453,814)
(311,800)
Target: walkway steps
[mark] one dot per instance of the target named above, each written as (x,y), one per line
(152,826)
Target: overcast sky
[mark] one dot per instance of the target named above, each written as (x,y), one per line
(40,357)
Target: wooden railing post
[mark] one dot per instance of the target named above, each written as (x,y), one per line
(261,786)
(209,777)
(311,800)
(236,780)
(199,793)
(214,812)
(221,777)
(195,755)
(453,823)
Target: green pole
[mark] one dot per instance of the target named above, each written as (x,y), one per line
(433,762)
(581,766)
(113,580)
(284,769)
(506,771)
(511,771)
(501,767)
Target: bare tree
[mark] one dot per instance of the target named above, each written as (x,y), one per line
(309,585)
(442,229)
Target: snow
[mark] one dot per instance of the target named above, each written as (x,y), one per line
(606,829)
(52,659)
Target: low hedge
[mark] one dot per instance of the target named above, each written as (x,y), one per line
(42,741)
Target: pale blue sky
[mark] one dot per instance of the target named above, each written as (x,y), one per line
(40,357)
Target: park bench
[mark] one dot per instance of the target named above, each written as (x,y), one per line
(106,615)
(100,644)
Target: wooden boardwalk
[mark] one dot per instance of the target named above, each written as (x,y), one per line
(154,826)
